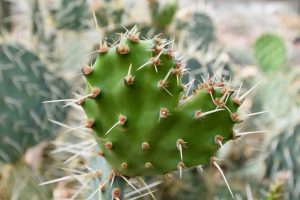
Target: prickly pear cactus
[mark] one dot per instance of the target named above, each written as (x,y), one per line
(140,116)
(202,29)
(25,84)
(5,12)
(18,182)
(162,14)
(71,15)
(270,52)
(284,157)
(108,12)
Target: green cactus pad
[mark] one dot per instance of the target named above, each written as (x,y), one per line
(140,116)
(270,52)
(25,84)
(162,15)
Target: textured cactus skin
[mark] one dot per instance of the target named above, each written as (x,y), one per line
(25,84)
(72,15)
(141,103)
(202,29)
(284,156)
(270,52)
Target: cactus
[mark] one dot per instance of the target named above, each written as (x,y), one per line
(202,29)
(26,83)
(284,156)
(108,13)
(152,80)
(72,15)
(270,52)
(141,116)
(5,9)
(18,182)
(162,14)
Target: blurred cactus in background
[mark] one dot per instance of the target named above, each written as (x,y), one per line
(5,12)
(71,15)
(270,52)
(283,158)
(25,83)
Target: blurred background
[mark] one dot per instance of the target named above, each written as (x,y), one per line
(44,44)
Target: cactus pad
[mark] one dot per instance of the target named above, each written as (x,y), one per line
(139,115)
(270,52)
(25,84)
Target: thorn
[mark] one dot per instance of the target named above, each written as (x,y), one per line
(214,162)
(134,35)
(145,146)
(86,70)
(180,143)
(122,119)
(111,175)
(199,114)
(200,167)
(145,64)
(180,167)
(163,85)
(218,140)
(123,49)
(246,93)
(103,48)
(130,184)
(108,145)
(155,62)
(148,188)
(226,90)
(237,101)
(249,133)
(129,79)
(253,114)
(238,93)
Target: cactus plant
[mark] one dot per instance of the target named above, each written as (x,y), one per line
(202,30)
(153,75)
(26,83)
(284,157)
(71,15)
(270,52)
(5,9)
(140,116)
(162,14)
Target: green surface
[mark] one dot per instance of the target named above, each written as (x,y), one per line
(141,104)
(25,84)
(270,52)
